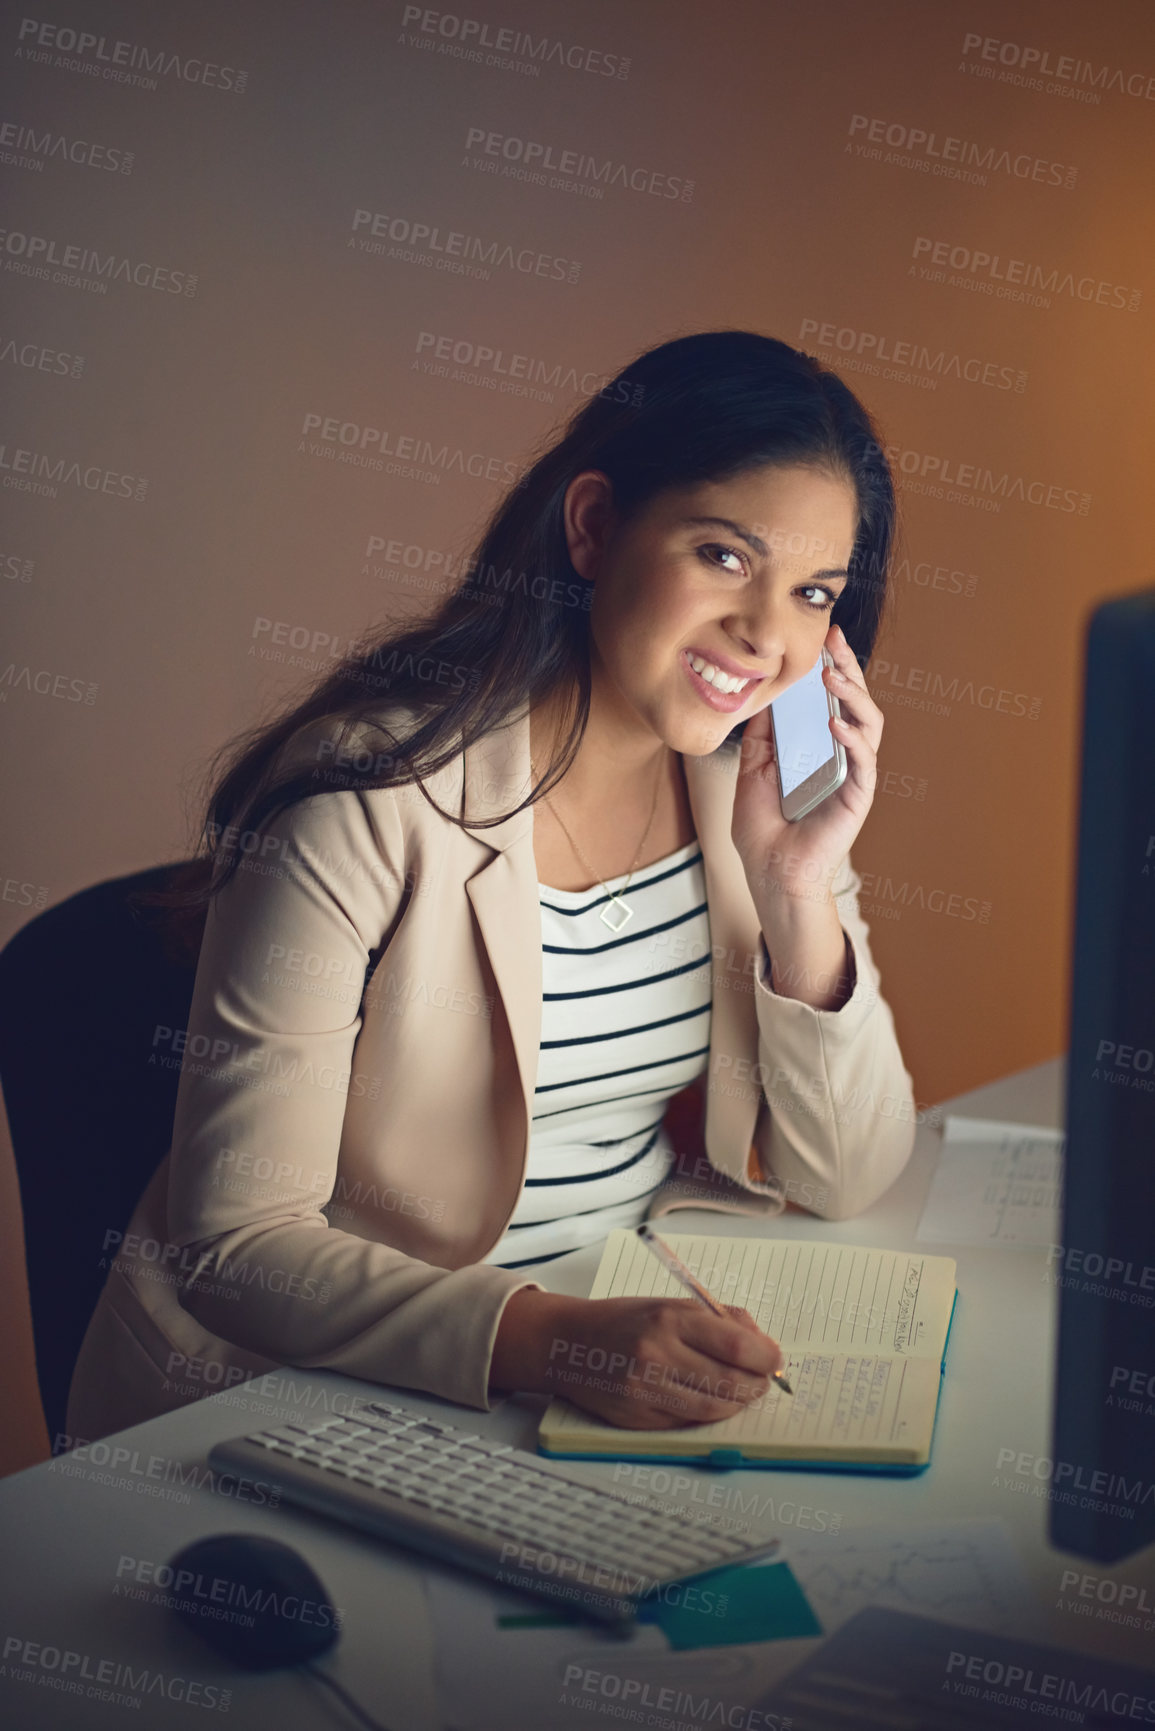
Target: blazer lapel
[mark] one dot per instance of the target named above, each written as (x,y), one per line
(504,891)
(732,1098)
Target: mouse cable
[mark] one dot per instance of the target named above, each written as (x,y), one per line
(313,1670)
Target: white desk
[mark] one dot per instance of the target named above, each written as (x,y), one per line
(64,1536)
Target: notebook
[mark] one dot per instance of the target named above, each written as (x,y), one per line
(863,1334)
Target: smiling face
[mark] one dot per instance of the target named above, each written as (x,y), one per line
(707,586)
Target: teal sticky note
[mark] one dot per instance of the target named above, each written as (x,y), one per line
(752,1603)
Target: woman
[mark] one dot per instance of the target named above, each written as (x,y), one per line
(501,888)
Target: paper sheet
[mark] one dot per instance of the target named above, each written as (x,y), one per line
(493,1679)
(959,1571)
(996,1183)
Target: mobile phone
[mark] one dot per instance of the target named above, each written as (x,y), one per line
(811,762)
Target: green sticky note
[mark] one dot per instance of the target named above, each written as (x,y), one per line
(750,1603)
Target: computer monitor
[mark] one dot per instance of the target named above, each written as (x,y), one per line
(1102,1478)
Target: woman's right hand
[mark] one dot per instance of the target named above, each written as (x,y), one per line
(642,1363)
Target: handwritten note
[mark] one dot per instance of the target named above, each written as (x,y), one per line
(861,1332)
(996,1183)
(801,1293)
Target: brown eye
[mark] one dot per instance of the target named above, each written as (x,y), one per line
(713,547)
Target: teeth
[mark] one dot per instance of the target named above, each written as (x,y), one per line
(714,675)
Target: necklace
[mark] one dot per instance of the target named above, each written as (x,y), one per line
(620,908)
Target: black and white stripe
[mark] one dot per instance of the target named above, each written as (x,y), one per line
(625,1025)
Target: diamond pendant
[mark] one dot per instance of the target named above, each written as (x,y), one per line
(625,913)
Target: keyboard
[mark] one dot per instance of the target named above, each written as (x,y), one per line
(485,1506)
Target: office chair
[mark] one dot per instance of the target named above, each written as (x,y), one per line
(83,989)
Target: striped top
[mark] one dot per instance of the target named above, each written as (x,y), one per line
(625,1025)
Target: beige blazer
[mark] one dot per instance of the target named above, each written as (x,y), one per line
(357,1084)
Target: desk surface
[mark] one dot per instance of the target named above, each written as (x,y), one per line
(68,1526)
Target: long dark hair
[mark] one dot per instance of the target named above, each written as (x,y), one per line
(701,408)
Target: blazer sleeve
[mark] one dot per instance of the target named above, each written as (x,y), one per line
(265,1076)
(837,1121)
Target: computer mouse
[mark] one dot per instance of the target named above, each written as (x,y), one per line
(254,1599)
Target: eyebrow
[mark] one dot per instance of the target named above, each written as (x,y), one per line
(754,541)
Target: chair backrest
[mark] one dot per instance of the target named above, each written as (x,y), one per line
(89,1079)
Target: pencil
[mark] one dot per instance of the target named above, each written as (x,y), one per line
(692,1284)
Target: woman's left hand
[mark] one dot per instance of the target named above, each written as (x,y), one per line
(802,858)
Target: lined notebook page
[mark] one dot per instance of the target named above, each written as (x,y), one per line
(805,1294)
(862,1332)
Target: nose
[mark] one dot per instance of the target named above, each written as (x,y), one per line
(759,632)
